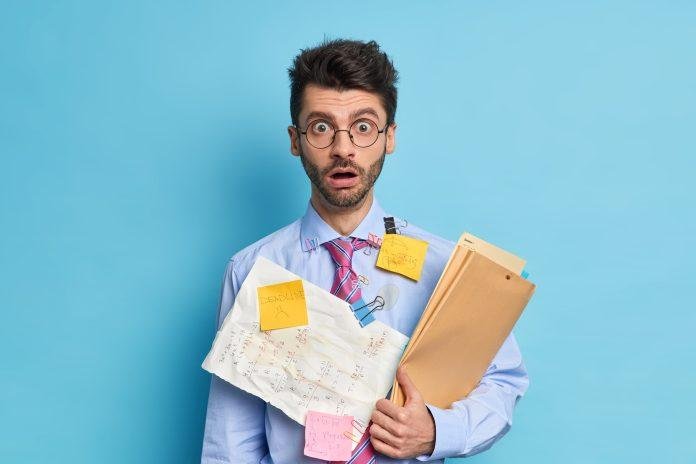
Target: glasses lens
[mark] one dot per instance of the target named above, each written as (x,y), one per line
(320,133)
(364,132)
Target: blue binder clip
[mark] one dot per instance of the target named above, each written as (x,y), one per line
(363,311)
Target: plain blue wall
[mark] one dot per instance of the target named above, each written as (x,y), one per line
(143,143)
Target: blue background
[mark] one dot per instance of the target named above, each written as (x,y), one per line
(143,143)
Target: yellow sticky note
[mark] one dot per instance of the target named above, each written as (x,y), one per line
(282,305)
(403,255)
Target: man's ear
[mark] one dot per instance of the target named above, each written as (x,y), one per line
(294,140)
(391,139)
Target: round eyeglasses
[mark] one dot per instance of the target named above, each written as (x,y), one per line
(321,134)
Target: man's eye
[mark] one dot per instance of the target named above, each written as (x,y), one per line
(321,127)
(363,127)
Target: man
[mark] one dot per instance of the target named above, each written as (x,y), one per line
(342,103)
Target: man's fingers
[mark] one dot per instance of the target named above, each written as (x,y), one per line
(383,435)
(390,409)
(410,391)
(386,422)
(384,448)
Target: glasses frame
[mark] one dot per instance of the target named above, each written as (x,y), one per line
(350,136)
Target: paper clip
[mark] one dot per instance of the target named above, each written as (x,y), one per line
(358,427)
(312,243)
(378,303)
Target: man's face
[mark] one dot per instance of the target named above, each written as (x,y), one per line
(342,173)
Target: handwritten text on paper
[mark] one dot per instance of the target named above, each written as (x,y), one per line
(282,305)
(327,436)
(403,255)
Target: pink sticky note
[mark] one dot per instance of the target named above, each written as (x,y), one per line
(325,436)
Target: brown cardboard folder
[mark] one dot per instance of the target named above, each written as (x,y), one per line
(476,303)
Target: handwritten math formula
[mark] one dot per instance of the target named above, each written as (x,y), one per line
(287,363)
(330,364)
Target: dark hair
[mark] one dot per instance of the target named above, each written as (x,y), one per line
(344,64)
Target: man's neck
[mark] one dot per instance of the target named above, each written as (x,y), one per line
(342,220)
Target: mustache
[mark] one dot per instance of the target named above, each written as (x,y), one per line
(343,164)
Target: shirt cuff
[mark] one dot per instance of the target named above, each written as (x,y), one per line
(449,433)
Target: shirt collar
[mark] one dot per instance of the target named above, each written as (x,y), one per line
(314,231)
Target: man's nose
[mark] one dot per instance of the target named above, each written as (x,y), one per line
(342,146)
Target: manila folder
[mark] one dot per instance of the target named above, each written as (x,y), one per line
(478,303)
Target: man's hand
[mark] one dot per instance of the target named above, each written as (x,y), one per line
(403,433)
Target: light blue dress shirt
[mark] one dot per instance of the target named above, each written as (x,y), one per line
(241,428)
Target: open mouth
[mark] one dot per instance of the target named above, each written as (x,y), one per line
(343,175)
(344,178)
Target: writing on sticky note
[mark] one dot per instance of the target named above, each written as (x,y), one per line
(282,305)
(327,436)
(403,255)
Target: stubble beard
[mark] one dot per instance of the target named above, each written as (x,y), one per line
(337,198)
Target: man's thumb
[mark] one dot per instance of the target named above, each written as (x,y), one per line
(411,393)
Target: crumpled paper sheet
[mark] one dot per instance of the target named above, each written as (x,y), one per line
(331,365)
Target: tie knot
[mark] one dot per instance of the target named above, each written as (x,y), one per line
(341,251)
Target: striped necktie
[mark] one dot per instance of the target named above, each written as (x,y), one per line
(345,286)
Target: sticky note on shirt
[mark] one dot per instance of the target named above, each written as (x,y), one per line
(403,255)
(326,436)
(282,305)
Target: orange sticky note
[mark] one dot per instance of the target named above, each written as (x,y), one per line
(282,305)
(327,436)
(403,255)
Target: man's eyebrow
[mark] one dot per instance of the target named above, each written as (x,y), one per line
(319,115)
(354,115)
(364,111)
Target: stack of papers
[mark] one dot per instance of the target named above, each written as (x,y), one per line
(330,365)
(474,306)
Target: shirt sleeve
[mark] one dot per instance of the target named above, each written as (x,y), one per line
(235,421)
(474,423)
